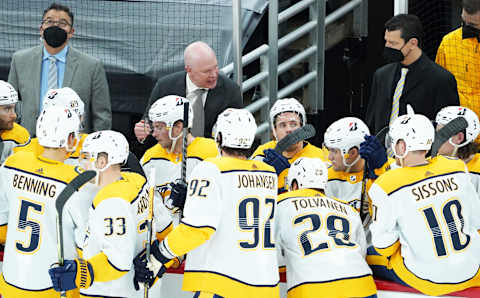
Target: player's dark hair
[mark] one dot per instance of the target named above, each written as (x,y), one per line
(56,6)
(466,151)
(471,6)
(409,26)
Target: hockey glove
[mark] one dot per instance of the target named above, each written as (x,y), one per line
(142,273)
(276,160)
(145,272)
(374,154)
(178,194)
(73,274)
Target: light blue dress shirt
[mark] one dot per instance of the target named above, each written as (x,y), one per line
(61,62)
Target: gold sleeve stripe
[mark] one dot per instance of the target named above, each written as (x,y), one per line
(103,270)
(185,238)
(3,233)
(390,250)
(162,234)
(378,261)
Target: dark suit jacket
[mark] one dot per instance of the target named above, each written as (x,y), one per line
(428,88)
(83,73)
(226,94)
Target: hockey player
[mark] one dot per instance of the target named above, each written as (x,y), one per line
(63,97)
(462,144)
(346,139)
(425,216)
(317,231)
(166,115)
(11,133)
(116,226)
(286,115)
(228,222)
(29,185)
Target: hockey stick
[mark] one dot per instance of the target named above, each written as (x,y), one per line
(363,194)
(305,132)
(183,170)
(449,130)
(133,165)
(183,173)
(62,199)
(149,224)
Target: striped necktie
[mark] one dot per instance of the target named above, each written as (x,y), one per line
(52,73)
(397,94)
(198,124)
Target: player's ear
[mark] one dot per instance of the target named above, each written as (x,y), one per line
(102,160)
(352,153)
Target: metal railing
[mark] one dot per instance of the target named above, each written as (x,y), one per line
(267,78)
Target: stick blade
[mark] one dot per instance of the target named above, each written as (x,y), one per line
(449,130)
(72,187)
(300,134)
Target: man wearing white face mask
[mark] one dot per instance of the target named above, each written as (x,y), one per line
(410,77)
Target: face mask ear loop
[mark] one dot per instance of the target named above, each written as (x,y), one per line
(174,140)
(349,166)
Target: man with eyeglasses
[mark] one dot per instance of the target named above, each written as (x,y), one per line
(56,64)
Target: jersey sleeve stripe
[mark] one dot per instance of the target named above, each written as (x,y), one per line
(197,227)
(389,250)
(232,278)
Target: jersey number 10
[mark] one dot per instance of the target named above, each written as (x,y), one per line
(455,234)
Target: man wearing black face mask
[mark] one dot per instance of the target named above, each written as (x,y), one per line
(56,64)
(410,77)
(459,53)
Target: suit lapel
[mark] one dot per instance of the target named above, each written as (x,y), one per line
(36,73)
(70,67)
(415,77)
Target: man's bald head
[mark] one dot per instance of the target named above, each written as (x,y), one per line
(201,64)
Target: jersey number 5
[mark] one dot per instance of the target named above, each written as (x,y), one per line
(26,224)
(248,221)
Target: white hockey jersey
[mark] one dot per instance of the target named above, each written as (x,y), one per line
(29,187)
(116,233)
(318,232)
(425,218)
(168,165)
(235,200)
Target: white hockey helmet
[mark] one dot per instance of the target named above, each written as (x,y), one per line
(308,172)
(447,114)
(344,134)
(287,105)
(65,97)
(54,126)
(237,128)
(415,130)
(113,143)
(168,109)
(8,94)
